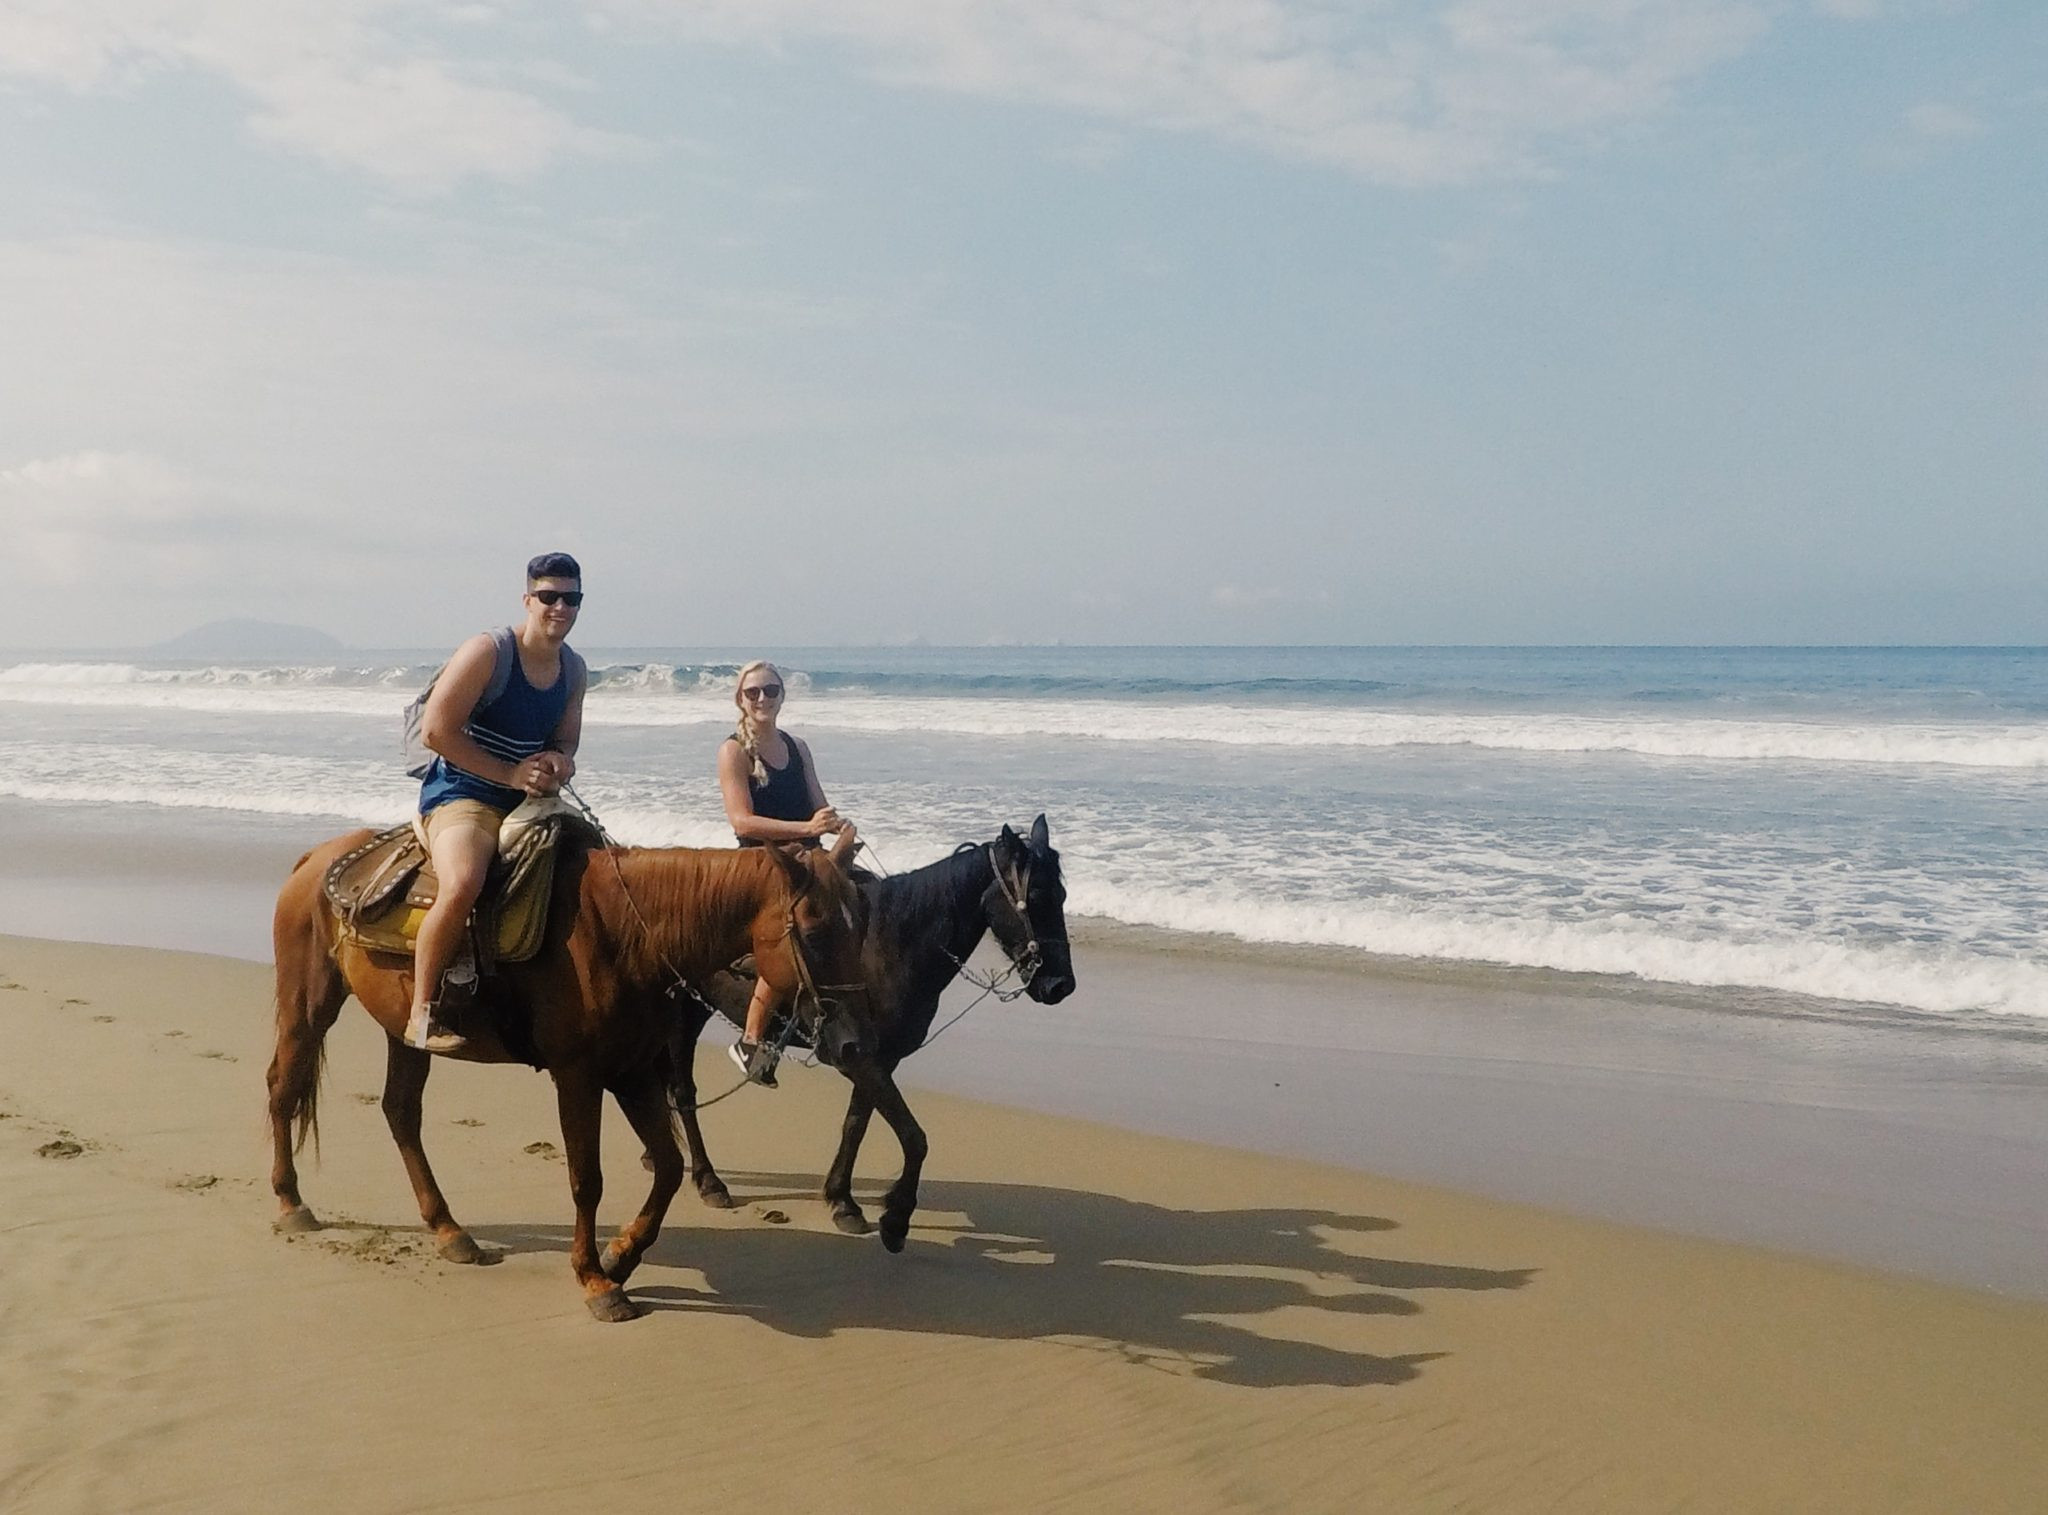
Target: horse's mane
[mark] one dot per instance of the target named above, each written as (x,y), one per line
(928,892)
(688,896)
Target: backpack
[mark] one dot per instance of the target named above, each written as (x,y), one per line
(419,757)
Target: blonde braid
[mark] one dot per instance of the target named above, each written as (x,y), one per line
(743,732)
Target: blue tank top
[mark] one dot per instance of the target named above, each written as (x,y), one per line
(515,725)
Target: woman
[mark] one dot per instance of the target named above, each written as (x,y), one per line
(771,795)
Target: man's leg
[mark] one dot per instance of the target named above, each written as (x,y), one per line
(462,845)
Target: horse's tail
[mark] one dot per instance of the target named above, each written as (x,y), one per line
(309,992)
(302,1104)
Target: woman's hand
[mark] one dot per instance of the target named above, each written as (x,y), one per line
(561,766)
(824,821)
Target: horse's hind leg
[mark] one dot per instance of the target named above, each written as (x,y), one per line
(846,1211)
(901,1200)
(683,1049)
(405,1080)
(310,992)
(645,1103)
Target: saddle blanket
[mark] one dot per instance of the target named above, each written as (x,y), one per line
(380,891)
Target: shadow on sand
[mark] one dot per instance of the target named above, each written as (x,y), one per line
(1258,1298)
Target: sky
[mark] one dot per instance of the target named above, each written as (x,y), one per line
(992,321)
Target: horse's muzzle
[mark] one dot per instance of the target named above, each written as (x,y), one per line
(1051,988)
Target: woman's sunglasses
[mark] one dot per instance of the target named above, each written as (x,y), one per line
(763,692)
(570,597)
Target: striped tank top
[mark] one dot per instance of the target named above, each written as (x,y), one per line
(516,725)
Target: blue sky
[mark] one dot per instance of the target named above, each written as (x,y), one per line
(1095,320)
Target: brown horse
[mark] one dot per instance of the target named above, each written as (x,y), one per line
(594,1008)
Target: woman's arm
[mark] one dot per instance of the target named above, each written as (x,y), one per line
(818,800)
(739,804)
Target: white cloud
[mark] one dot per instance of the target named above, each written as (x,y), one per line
(1943,122)
(343,81)
(99,517)
(1403,92)
(1237,597)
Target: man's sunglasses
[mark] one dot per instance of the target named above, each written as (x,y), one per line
(763,692)
(570,597)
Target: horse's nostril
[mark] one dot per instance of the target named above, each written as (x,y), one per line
(1056,987)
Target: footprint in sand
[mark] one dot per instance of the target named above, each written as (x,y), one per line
(104,1020)
(174,1031)
(543,1150)
(221,1057)
(196,1183)
(379,1246)
(366,1099)
(468,1120)
(8,983)
(62,1147)
(77,1002)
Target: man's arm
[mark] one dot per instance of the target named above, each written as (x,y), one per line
(456,694)
(569,730)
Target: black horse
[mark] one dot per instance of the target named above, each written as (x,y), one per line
(921,927)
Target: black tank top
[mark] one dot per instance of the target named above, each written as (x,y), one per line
(787,794)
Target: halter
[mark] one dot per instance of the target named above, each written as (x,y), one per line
(1023,966)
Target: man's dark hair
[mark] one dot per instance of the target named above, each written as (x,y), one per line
(553,565)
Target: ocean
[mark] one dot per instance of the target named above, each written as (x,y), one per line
(1841,830)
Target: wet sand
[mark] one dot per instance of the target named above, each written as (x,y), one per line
(1085,1317)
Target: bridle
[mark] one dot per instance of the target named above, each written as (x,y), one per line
(1031,958)
(807,985)
(1025,961)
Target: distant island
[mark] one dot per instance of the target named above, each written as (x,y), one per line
(240,637)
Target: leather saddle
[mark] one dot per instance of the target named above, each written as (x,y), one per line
(380,891)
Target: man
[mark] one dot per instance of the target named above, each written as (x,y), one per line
(490,755)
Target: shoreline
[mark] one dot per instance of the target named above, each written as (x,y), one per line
(1905,1142)
(1084,1316)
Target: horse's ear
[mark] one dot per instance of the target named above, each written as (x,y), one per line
(1040,837)
(791,860)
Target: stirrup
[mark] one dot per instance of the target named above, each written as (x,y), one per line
(433,1036)
(756,1061)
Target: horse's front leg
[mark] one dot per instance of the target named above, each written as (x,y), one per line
(405,1081)
(645,1103)
(846,1211)
(879,1085)
(579,1100)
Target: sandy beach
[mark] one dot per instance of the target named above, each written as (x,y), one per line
(1085,1318)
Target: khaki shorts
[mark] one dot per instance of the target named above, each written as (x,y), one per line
(474,814)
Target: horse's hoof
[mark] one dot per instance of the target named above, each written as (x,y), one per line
(296,1221)
(462,1248)
(717,1197)
(612,1306)
(852,1222)
(894,1229)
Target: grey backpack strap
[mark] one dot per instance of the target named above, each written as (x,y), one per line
(505,643)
